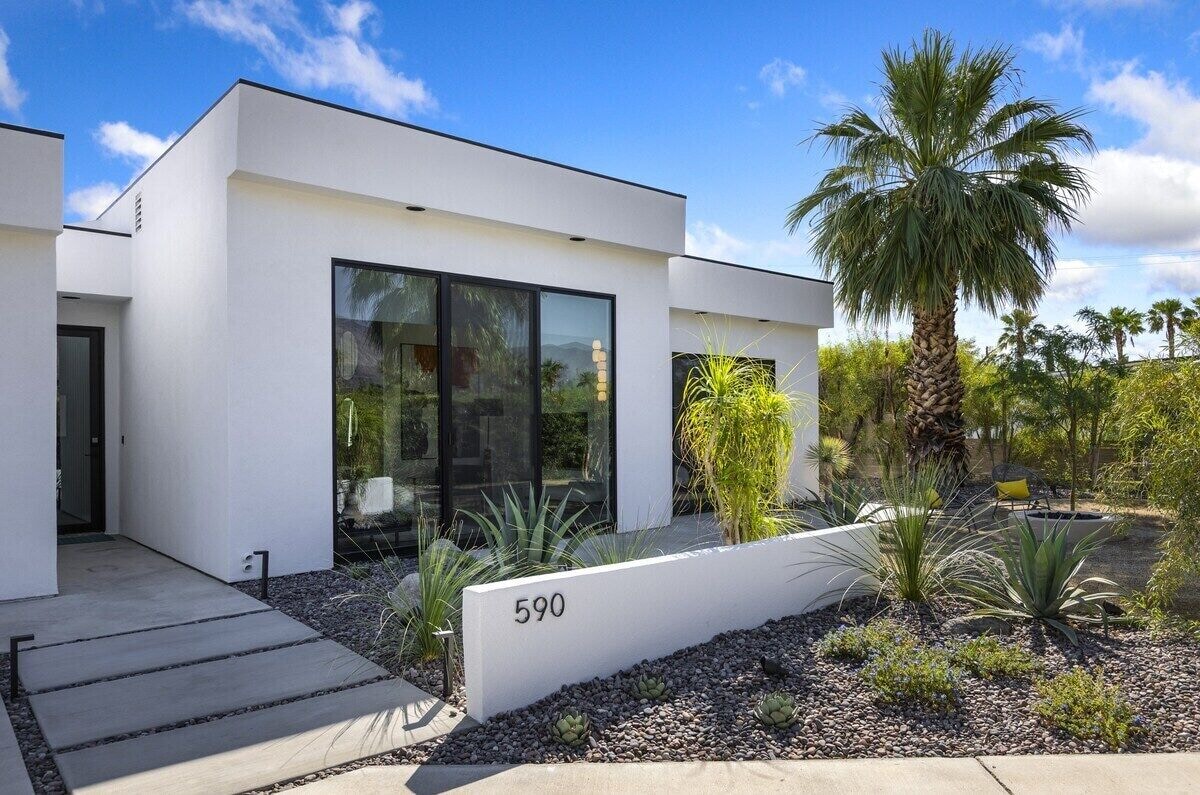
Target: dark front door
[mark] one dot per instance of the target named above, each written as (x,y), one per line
(79,439)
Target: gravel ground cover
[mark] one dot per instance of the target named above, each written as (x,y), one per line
(715,686)
(313,598)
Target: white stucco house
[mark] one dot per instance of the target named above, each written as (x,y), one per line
(305,327)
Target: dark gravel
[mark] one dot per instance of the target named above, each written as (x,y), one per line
(314,598)
(716,684)
(39,763)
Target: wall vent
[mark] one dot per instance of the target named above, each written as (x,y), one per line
(137,213)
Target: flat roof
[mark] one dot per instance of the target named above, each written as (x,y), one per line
(31,130)
(752,268)
(77,228)
(241,81)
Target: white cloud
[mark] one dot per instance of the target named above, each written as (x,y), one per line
(341,58)
(1141,200)
(1066,45)
(87,203)
(1074,281)
(120,139)
(11,95)
(705,239)
(1172,273)
(780,75)
(1147,194)
(1167,110)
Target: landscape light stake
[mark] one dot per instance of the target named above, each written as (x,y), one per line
(12,663)
(266,564)
(446,636)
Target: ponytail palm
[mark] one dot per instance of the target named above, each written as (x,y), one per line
(953,189)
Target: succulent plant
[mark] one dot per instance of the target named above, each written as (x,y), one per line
(653,688)
(777,710)
(571,728)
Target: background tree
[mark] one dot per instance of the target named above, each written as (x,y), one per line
(1114,328)
(1018,325)
(952,191)
(1167,315)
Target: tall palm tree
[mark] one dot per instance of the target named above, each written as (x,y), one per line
(1016,335)
(953,189)
(1114,328)
(1167,315)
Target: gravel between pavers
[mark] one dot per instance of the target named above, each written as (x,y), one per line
(39,762)
(716,684)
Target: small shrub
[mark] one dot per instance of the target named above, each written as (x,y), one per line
(652,688)
(357,571)
(988,658)
(859,643)
(777,710)
(571,728)
(914,673)
(1083,705)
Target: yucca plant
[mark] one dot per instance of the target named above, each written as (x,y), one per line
(531,537)
(1036,579)
(830,456)
(919,552)
(409,615)
(737,431)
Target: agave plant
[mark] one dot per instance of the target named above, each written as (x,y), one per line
(603,549)
(530,537)
(842,504)
(777,710)
(571,728)
(1036,579)
(652,688)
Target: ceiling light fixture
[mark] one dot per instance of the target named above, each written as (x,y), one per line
(578,239)
(412,208)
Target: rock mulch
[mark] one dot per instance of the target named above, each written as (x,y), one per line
(39,761)
(715,686)
(316,598)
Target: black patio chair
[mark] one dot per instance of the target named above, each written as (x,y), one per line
(1038,490)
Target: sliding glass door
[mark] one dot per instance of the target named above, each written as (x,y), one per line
(492,400)
(449,391)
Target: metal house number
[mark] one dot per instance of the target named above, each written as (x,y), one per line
(540,606)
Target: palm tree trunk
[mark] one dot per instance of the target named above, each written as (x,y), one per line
(1170,339)
(934,421)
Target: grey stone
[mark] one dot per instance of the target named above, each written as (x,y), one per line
(119,655)
(260,748)
(977,625)
(106,709)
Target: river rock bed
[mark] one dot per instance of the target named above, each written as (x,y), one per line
(715,686)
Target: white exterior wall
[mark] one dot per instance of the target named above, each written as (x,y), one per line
(94,265)
(105,315)
(282,243)
(794,351)
(30,218)
(175,350)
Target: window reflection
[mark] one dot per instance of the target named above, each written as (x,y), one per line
(576,379)
(386,403)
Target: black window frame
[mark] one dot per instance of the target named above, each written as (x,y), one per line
(445,408)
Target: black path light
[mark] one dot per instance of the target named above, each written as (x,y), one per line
(13,642)
(446,636)
(266,565)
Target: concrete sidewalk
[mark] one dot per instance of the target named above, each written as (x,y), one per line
(1062,775)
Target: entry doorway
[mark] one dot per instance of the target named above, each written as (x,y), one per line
(79,435)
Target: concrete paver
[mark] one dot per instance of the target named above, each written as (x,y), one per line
(1092,773)
(118,586)
(931,776)
(119,655)
(83,714)
(259,748)
(14,779)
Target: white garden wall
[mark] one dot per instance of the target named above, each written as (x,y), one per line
(607,618)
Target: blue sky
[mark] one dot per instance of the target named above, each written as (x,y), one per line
(708,99)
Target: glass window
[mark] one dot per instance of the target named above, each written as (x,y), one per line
(577,390)
(386,407)
(491,393)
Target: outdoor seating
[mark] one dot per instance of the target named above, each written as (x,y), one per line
(1036,494)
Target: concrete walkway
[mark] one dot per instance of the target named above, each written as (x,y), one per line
(148,676)
(1134,774)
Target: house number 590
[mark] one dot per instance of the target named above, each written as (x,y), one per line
(540,606)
